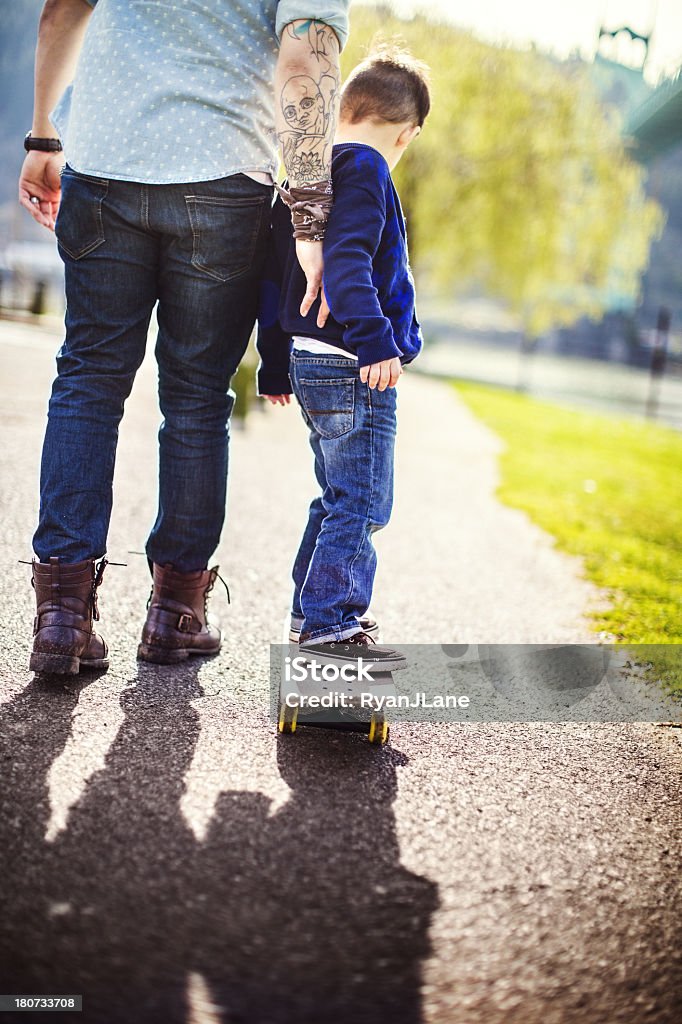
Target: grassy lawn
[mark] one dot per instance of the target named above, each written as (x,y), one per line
(609,490)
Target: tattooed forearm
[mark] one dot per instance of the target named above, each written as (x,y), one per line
(307,86)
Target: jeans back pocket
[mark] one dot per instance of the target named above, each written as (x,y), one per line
(79,227)
(225,233)
(330,405)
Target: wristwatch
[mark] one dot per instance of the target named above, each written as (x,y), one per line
(44,145)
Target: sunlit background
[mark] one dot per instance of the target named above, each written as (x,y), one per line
(544,200)
(565,28)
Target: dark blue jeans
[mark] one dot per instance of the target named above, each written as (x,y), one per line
(352,435)
(197,249)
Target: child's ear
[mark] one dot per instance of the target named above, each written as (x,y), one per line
(409,132)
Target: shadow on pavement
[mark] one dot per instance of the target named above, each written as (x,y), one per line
(303,915)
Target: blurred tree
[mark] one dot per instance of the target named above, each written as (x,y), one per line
(520,182)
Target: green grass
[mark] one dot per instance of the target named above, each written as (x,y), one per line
(610,491)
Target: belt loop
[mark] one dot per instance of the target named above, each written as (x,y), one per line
(144,206)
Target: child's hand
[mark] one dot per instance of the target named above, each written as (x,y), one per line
(278,399)
(382,375)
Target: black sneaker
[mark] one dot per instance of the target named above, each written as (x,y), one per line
(366,624)
(356,648)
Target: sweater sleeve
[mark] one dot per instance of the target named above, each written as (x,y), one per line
(352,238)
(272,341)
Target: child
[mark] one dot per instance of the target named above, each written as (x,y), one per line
(344,374)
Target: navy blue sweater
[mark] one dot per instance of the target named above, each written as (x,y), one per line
(367,278)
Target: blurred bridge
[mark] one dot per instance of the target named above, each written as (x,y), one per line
(653,123)
(656,125)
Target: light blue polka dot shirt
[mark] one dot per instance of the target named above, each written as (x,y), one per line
(180,91)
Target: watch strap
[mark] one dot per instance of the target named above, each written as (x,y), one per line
(44,145)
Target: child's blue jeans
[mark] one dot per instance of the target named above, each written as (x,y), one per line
(352,435)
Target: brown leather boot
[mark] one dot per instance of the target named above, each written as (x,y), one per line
(66,596)
(178,623)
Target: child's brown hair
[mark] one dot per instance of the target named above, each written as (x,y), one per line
(389,85)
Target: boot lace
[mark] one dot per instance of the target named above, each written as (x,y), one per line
(96,583)
(215,575)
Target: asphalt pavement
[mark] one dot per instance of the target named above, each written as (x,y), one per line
(168,857)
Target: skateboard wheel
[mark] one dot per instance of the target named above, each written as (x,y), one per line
(287,718)
(378,730)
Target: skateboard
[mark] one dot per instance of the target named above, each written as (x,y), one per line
(309,697)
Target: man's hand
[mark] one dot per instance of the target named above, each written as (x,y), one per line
(382,375)
(39,179)
(324,311)
(310,257)
(278,399)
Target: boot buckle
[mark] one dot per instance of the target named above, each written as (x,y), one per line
(36,624)
(185,623)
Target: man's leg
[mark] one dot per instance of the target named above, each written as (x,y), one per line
(110,272)
(110,275)
(353,438)
(214,241)
(213,249)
